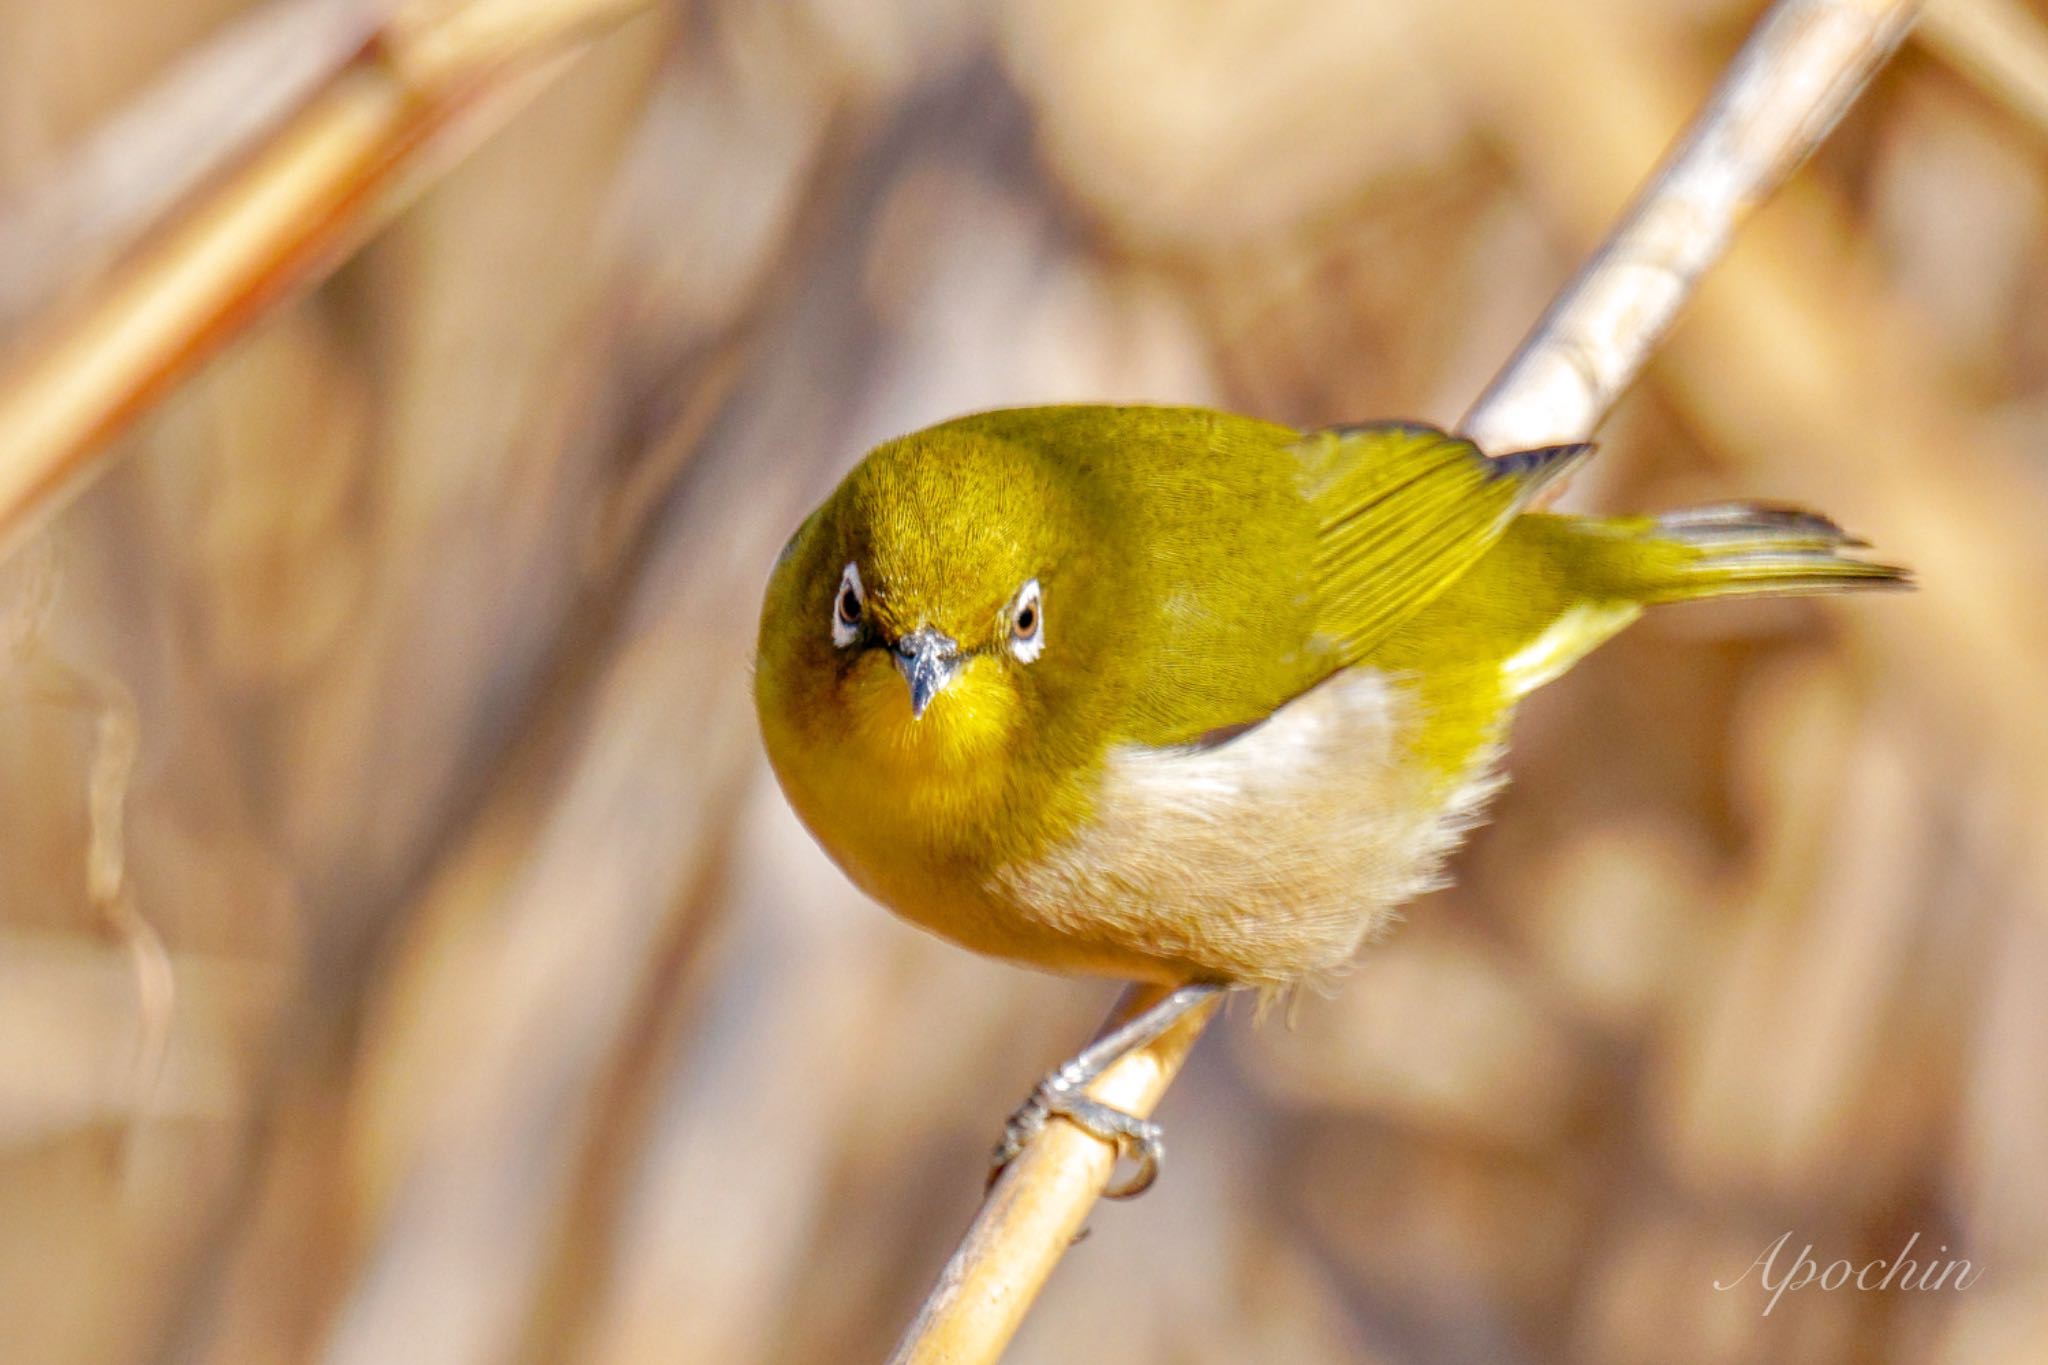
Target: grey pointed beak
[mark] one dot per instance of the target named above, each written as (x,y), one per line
(928,660)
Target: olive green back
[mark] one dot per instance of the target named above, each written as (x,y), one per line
(1221,565)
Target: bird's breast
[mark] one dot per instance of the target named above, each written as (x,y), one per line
(1263,859)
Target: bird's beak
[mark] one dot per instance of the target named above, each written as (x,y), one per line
(928,660)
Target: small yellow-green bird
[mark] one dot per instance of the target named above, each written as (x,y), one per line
(1176,696)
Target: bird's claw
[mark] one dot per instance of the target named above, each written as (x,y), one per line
(1060,1095)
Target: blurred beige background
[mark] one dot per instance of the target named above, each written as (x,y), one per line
(405,957)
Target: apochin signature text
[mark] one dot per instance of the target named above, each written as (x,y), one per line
(1900,1272)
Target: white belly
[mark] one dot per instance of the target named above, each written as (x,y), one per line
(1265,859)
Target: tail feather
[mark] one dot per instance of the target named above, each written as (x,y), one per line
(1749,550)
(1556,585)
(1750,518)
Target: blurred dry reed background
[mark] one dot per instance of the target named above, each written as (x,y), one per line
(404,956)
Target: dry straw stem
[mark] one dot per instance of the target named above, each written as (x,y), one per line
(1034,1212)
(1999,44)
(287,214)
(1800,70)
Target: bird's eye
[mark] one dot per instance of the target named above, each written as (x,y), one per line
(849,605)
(1027,623)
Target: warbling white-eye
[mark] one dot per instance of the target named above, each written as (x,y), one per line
(1176,696)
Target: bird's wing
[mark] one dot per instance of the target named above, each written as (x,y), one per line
(1401,511)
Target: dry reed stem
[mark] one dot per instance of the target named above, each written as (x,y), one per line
(38,675)
(1802,67)
(1795,76)
(133,166)
(1034,1212)
(285,216)
(2001,45)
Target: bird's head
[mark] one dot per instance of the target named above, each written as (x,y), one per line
(915,622)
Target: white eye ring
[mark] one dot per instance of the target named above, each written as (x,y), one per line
(1027,623)
(849,608)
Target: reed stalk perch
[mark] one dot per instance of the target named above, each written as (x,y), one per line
(1799,71)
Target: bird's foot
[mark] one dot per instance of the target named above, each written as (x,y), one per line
(1062,1094)
(1059,1095)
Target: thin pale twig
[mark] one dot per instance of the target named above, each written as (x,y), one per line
(1799,71)
(1034,1211)
(1797,74)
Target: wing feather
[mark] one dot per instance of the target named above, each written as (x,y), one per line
(1401,511)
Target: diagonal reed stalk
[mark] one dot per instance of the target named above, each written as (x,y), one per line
(1799,71)
(428,76)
